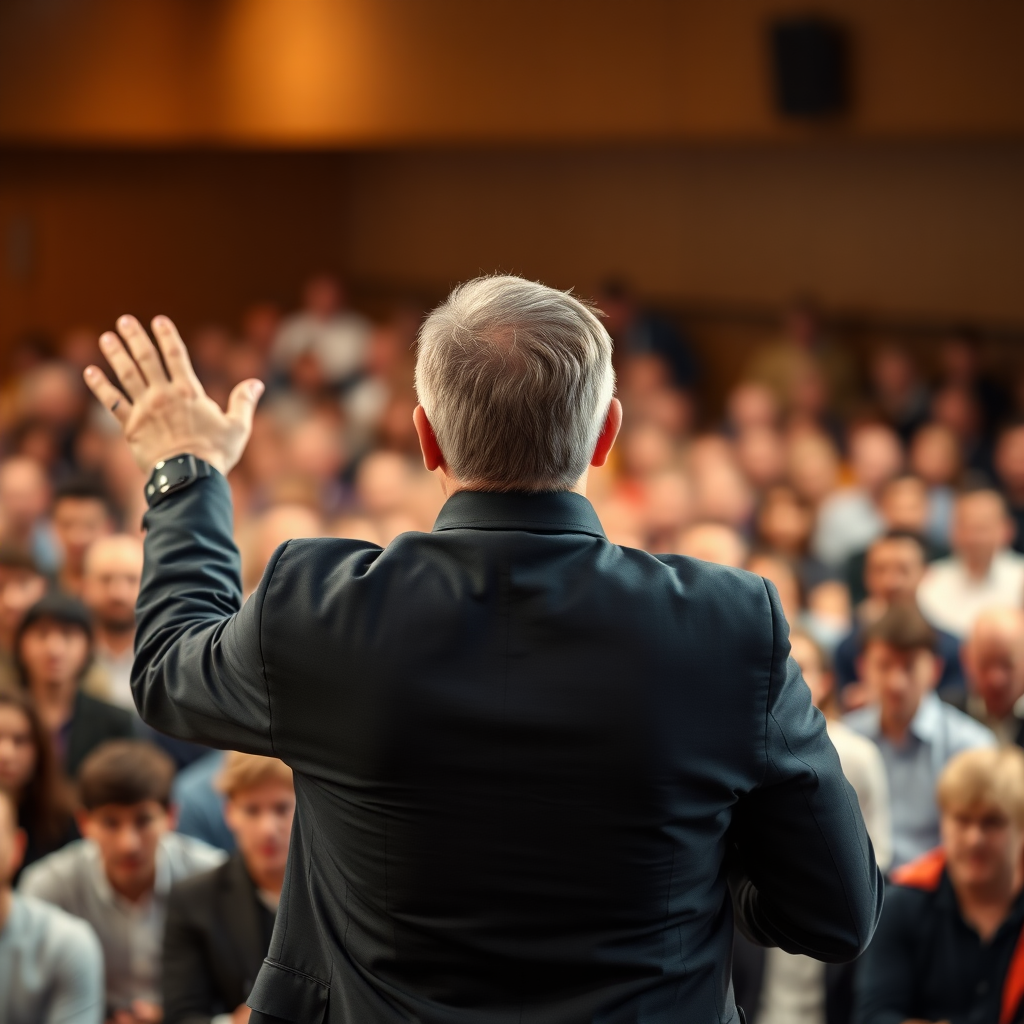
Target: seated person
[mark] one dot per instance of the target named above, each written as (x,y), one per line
(119,876)
(21,585)
(29,773)
(54,647)
(915,731)
(51,964)
(219,923)
(200,806)
(983,571)
(994,660)
(904,507)
(948,946)
(893,567)
(81,514)
(776,987)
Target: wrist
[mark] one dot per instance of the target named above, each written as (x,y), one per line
(214,459)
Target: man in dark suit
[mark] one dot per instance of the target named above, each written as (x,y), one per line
(530,765)
(219,923)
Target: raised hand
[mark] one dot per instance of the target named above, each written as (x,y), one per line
(163,409)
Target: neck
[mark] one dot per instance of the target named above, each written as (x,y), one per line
(114,641)
(55,702)
(134,890)
(268,881)
(5,905)
(978,568)
(895,729)
(985,906)
(70,579)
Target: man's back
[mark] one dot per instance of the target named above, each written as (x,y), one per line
(522,755)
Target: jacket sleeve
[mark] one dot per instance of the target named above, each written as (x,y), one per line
(804,875)
(188,989)
(198,672)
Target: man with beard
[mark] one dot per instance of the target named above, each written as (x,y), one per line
(113,571)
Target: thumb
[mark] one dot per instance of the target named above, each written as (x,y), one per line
(242,402)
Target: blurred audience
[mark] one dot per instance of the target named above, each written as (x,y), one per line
(25,493)
(915,731)
(219,923)
(119,877)
(993,658)
(200,806)
(785,988)
(30,775)
(54,648)
(21,586)
(81,515)
(851,518)
(324,344)
(983,570)
(51,965)
(842,475)
(893,570)
(948,946)
(110,588)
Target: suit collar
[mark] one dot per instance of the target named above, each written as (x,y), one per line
(544,512)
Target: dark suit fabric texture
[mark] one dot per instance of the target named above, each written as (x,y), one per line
(522,757)
(216,937)
(93,723)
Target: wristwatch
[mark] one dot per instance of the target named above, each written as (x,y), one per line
(173,475)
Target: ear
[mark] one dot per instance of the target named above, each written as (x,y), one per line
(432,457)
(938,665)
(610,431)
(172,817)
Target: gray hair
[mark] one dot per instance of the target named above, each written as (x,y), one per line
(516,379)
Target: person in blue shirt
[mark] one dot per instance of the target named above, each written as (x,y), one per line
(916,733)
(893,567)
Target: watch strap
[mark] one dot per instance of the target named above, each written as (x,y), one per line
(174,474)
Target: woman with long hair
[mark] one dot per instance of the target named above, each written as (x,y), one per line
(29,772)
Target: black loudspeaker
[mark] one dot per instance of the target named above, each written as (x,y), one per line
(809,57)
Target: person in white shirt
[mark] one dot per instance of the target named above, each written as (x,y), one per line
(51,964)
(336,337)
(983,572)
(113,573)
(119,877)
(794,989)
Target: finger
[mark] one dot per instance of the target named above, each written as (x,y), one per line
(179,366)
(107,395)
(122,364)
(143,350)
(242,402)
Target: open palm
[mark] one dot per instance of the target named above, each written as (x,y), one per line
(162,408)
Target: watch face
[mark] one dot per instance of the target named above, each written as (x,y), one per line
(169,476)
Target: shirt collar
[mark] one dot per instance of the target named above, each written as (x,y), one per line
(543,512)
(923,726)
(926,723)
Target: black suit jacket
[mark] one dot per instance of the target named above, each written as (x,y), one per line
(522,756)
(94,722)
(214,944)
